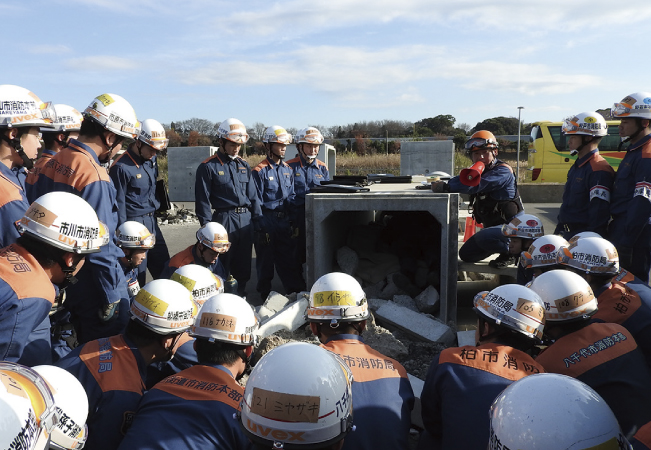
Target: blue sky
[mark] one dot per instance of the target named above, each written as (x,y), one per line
(330,62)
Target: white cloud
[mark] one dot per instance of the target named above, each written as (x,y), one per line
(101,63)
(46,49)
(347,72)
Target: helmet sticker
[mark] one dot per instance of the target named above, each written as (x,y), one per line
(151,302)
(105,99)
(287,407)
(41,215)
(187,282)
(334,298)
(218,322)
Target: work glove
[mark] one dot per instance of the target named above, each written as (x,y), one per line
(262,238)
(440,187)
(109,312)
(625,257)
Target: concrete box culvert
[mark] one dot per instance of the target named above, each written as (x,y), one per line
(331,217)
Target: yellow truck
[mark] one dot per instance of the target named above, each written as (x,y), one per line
(550,159)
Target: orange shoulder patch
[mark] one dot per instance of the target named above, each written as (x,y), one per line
(365,363)
(9,191)
(578,352)
(499,360)
(598,163)
(113,365)
(617,303)
(203,383)
(182,258)
(20,270)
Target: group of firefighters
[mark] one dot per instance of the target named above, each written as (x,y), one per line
(93,356)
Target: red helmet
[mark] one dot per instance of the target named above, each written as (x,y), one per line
(480,140)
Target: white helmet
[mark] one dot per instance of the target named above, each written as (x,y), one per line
(200,281)
(583,234)
(317,382)
(513,306)
(20,107)
(226,318)
(549,411)
(152,133)
(233,130)
(566,295)
(635,105)
(214,236)
(591,255)
(164,306)
(132,234)
(589,123)
(71,403)
(337,297)
(65,221)
(524,226)
(277,134)
(67,119)
(309,135)
(542,252)
(26,407)
(115,114)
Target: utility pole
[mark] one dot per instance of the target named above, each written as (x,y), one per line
(517,167)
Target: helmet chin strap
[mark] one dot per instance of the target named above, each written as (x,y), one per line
(14,143)
(581,147)
(68,271)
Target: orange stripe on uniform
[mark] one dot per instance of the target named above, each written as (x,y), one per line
(617,303)
(203,383)
(500,360)
(9,191)
(20,270)
(182,258)
(74,168)
(598,163)
(365,363)
(113,365)
(578,352)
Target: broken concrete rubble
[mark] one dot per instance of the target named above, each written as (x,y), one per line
(428,301)
(417,325)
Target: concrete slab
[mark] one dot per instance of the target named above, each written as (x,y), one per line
(406,301)
(417,386)
(415,324)
(182,163)
(425,157)
(348,260)
(289,318)
(466,338)
(275,302)
(428,301)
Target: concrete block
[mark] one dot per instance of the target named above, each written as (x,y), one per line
(406,301)
(373,290)
(425,157)
(264,313)
(275,302)
(417,386)
(182,163)
(347,260)
(391,289)
(428,301)
(375,303)
(290,318)
(415,324)
(466,338)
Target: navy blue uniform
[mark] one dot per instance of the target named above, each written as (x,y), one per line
(227,187)
(135,183)
(460,386)
(306,176)
(586,198)
(495,198)
(382,396)
(76,169)
(630,207)
(13,204)
(192,410)
(605,357)
(483,244)
(275,185)
(112,372)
